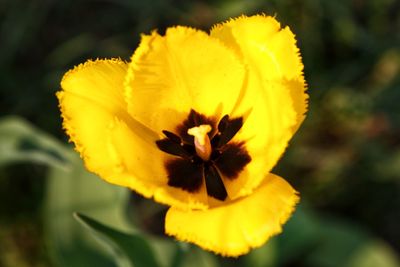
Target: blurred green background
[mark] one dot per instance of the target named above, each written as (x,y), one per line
(345,160)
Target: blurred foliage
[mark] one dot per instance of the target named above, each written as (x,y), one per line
(345,160)
(129,250)
(22,143)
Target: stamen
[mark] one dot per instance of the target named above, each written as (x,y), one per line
(201,140)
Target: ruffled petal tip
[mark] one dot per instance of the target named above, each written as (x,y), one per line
(232,230)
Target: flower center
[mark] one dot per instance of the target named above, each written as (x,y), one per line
(204,153)
(201,140)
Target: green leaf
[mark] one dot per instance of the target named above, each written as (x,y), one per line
(76,189)
(20,141)
(128,249)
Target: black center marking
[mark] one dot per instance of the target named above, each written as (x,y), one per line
(187,170)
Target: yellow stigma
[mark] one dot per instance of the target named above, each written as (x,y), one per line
(201,140)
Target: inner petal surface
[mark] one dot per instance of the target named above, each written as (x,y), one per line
(184,69)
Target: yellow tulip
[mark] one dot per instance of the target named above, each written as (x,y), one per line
(196,121)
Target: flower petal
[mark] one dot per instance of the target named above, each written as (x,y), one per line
(261,42)
(300,99)
(183,70)
(273,98)
(231,230)
(269,51)
(113,145)
(266,133)
(91,97)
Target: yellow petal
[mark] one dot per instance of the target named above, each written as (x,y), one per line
(273,98)
(91,96)
(235,228)
(270,52)
(138,162)
(266,132)
(185,69)
(300,99)
(113,144)
(261,41)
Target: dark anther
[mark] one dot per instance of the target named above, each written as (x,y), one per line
(188,170)
(172,136)
(172,148)
(231,127)
(214,185)
(222,123)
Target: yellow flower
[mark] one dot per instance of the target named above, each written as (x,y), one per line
(196,121)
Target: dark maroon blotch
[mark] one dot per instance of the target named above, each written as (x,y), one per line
(227,158)
(232,160)
(182,173)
